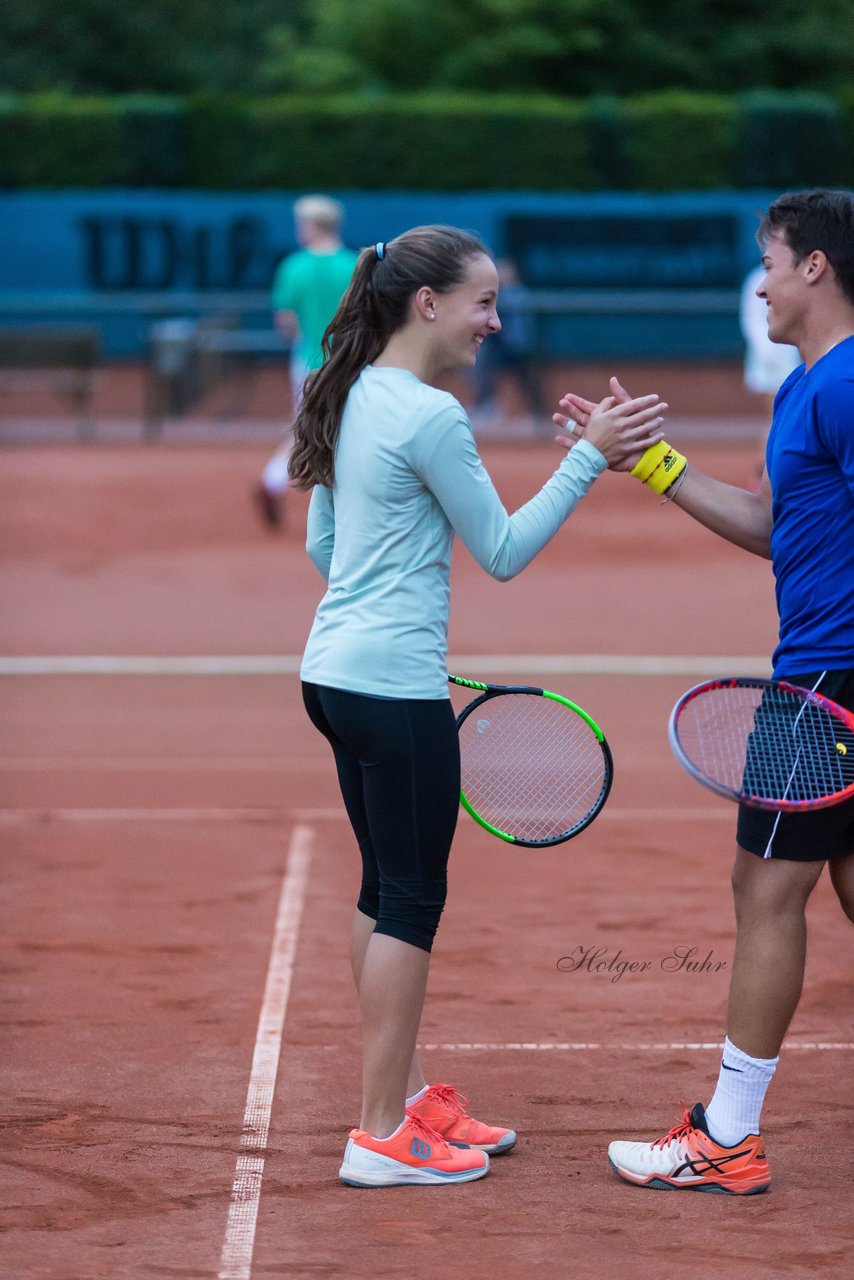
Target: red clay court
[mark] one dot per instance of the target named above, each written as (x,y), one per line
(181,1043)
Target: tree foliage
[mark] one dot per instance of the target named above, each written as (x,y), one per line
(376,47)
(107,46)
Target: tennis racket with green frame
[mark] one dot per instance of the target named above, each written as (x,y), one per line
(536,768)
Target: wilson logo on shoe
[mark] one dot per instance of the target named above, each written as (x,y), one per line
(422,1150)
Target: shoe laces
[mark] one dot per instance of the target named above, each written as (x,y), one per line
(425,1133)
(450,1097)
(680,1130)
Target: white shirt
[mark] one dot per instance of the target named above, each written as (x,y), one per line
(408,476)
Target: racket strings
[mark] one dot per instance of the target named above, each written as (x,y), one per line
(768,744)
(531,766)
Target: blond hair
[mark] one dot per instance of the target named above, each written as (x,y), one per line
(324,212)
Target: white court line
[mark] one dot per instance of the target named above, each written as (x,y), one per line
(613,813)
(689,1046)
(152,764)
(23,816)
(46,814)
(137,665)
(239,1244)
(473,665)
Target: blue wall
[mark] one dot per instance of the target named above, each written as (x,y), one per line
(123,258)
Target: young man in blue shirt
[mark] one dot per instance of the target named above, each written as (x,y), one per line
(802,518)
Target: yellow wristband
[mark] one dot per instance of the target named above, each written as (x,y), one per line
(650,460)
(660,466)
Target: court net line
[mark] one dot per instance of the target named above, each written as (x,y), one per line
(478,665)
(239,1242)
(581,1046)
(46,814)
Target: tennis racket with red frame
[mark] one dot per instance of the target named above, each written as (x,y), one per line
(766,744)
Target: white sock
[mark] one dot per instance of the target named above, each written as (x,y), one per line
(416,1097)
(389,1136)
(735,1108)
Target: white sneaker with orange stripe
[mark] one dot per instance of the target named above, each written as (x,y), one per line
(688,1158)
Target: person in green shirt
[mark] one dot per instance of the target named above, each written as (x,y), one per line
(307,287)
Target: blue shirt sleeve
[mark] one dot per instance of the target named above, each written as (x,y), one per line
(320,529)
(446,459)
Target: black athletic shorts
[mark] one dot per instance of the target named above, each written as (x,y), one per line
(804,837)
(398,762)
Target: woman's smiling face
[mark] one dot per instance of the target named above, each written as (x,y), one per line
(466,315)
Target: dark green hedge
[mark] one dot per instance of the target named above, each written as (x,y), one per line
(794,138)
(673,140)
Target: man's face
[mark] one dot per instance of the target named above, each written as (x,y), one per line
(784,290)
(310,232)
(304,230)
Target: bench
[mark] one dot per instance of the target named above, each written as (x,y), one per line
(64,358)
(189,358)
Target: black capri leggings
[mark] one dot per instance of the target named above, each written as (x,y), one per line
(398,762)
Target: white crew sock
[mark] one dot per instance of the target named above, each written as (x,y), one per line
(389,1136)
(416,1097)
(735,1108)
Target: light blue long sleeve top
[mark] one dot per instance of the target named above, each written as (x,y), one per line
(408,476)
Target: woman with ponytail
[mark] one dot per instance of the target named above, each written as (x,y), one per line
(395,474)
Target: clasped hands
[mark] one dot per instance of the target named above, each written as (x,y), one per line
(622,429)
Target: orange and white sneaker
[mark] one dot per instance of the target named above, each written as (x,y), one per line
(688,1158)
(443,1108)
(416,1154)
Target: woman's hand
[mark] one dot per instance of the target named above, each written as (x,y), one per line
(622,429)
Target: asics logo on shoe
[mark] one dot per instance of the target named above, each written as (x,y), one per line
(708,1163)
(422,1150)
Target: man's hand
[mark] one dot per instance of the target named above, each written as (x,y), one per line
(576,415)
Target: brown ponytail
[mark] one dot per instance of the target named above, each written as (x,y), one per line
(374,307)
